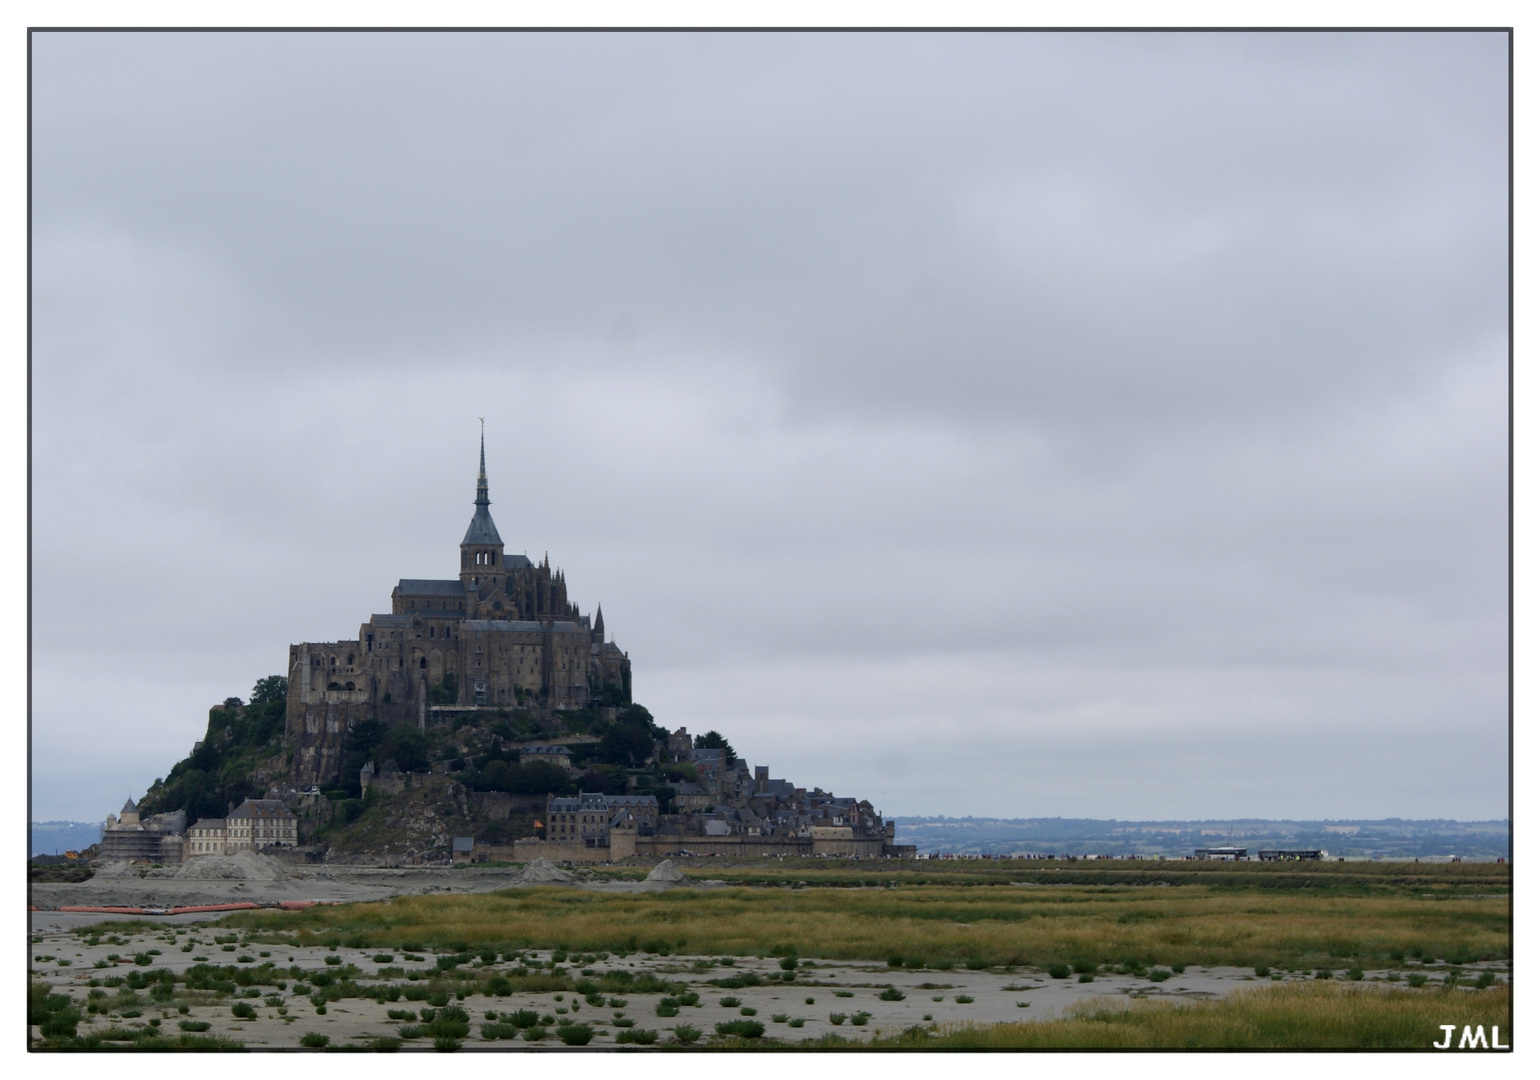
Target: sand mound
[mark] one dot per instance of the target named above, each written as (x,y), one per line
(666,871)
(543,869)
(242,866)
(119,868)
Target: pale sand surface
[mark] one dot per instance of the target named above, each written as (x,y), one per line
(998,995)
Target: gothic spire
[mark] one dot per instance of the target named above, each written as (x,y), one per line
(482,531)
(481,479)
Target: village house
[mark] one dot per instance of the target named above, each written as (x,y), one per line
(580,819)
(206,837)
(643,808)
(692,798)
(556,755)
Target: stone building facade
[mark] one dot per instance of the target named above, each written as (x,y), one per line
(206,836)
(502,634)
(255,825)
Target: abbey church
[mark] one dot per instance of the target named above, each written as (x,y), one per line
(500,635)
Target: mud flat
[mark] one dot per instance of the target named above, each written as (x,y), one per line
(847,998)
(268,882)
(258,879)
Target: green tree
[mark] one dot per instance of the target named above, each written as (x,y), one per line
(447,692)
(271,689)
(713,741)
(408,746)
(627,743)
(538,778)
(603,779)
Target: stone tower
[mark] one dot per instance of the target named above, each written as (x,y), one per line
(482,569)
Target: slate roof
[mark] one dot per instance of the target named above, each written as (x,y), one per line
(261,808)
(482,531)
(510,626)
(426,587)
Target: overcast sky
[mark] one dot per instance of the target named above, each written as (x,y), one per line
(1107,425)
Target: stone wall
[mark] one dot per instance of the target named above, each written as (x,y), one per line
(528,849)
(498,805)
(625,843)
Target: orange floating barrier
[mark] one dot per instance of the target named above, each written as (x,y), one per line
(244,906)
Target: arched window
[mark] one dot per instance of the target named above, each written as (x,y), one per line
(424,663)
(350,658)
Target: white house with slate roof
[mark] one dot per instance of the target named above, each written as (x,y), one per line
(556,755)
(255,825)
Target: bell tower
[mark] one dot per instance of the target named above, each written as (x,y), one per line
(482,570)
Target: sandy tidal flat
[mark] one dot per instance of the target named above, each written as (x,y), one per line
(835,987)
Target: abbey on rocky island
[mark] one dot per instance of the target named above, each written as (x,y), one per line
(503,634)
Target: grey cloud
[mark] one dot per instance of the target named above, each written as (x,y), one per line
(1121,353)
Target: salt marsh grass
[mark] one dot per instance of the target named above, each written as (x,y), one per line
(1300,1016)
(934,924)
